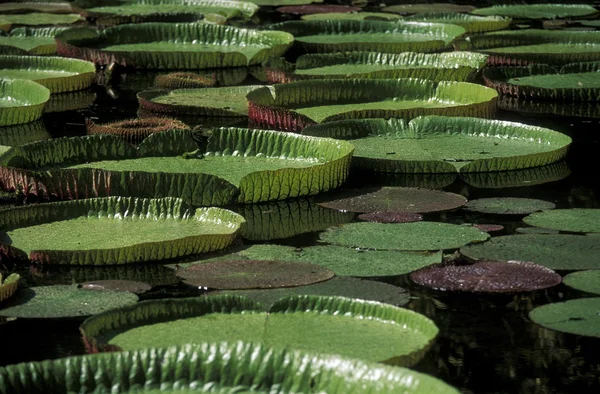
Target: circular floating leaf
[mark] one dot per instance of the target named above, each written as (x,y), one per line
(429,7)
(135,130)
(488,228)
(253,274)
(227,101)
(9,286)
(391,217)
(577,220)
(395,199)
(325,325)
(120,285)
(50,302)
(21,101)
(558,252)
(406,236)
(316,9)
(173,45)
(243,366)
(538,11)
(40,19)
(116,230)
(342,287)
(471,23)
(445,144)
(581,317)
(535,230)
(30,41)
(374,16)
(487,277)
(184,80)
(588,281)
(508,205)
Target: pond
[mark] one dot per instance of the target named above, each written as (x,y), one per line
(487,343)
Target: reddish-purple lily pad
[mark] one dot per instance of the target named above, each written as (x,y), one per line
(316,9)
(391,217)
(394,199)
(487,277)
(488,228)
(253,274)
(120,285)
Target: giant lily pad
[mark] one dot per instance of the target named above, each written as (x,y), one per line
(56,73)
(185,80)
(58,7)
(376,36)
(30,41)
(243,366)
(538,11)
(125,230)
(369,290)
(517,178)
(360,16)
(531,46)
(239,165)
(508,205)
(115,284)
(559,252)
(577,220)
(394,199)
(173,45)
(451,66)
(428,7)
(487,277)
(226,101)
(277,3)
(21,101)
(573,82)
(50,302)
(471,23)
(316,9)
(446,144)
(405,236)
(40,19)
(253,274)
(363,329)
(8,286)
(581,317)
(135,130)
(588,281)
(295,105)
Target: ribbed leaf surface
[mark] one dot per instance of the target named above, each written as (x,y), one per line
(471,23)
(21,101)
(30,41)
(538,11)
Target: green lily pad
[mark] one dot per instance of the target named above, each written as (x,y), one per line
(391,217)
(405,236)
(135,130)
(558,252)
(358,16)
(40,19)
(50,302)
(377,36)
(153,274)
(451,66)
(538,11)
(508,205)
(316,9)
(185,80)
(394,199)
(277,3)
(535,230)
(471,23)
(173,45)
(293,106)
(588,281)
(126,230)
(48,7)
(362,328)
(119,285)
(253,274)
(445,144)
(517,178)
(56,73)
(581,317)
(21,101)
(227,101)
(284,219)
(243,366)
(239,165)
(30,41)
(23,133)
(429,7)
(339,287)
(577,220)
(8,286)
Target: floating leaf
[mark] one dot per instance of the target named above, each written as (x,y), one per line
(184,80)
(293,106)
(40,19)
(487,277)
(135,130)
(538,11)
(517,178)
(535,230)
(21,101)
(508,205)
(119,285)
(489,228)
(51,302)
(316,9)
(125,230)
(394,199)
(471,23)
(30,41)
(48,7)
(243,367)
(391,217)
(445,144)
(405,236)
(362,328)
(429,7)
(588,281)
(577,220)
(579,317)
(340,287)
(153,274)
(558,252)
(173,45)
(377,36)
(253,274)
(56,73)
(276,3)
(371,16)
(8,286)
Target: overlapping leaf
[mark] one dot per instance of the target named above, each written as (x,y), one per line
(21,101)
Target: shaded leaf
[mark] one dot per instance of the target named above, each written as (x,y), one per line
(508,205)
(579,317)
(577,220)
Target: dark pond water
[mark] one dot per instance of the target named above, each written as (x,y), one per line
(487,344)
